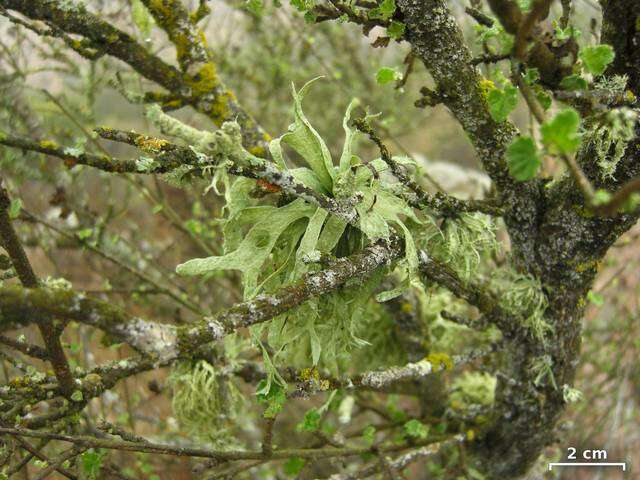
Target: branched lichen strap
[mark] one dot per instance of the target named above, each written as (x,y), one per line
(225,145)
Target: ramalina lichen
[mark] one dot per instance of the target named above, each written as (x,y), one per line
(610,132)
(462,242)
(272,244)
(204,401)
(522,295)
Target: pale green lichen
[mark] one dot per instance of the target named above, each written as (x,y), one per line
(609,138)
(205,402)
(570,394)
(523,295)
(463,242)
(472,389)
(272,245)
(609,133)
(57,283)
(542,371)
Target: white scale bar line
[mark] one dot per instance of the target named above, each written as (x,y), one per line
(589,464)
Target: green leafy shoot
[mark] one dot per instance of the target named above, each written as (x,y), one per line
(387,75)
(311,421)
(561,134)
(596,58)
(416,429)
(396,30)
(273,399)
(293,466)
(574,82)
(523,159)
(502,102)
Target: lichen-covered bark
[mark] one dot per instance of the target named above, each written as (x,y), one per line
(621,28)
(553,236)
(202,88)
(437,40)
(167,342)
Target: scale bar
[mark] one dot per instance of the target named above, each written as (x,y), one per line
(588,464)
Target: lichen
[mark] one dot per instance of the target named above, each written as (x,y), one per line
(440,360)
(205,402)
(609,137)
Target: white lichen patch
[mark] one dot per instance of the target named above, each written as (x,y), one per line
(150,338)
(411,371)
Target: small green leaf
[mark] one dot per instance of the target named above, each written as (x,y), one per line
(573,82)
(387,8)
(91,462)
(396,30)
(544,99)
(14,208)
(293,466)
(502,102)
(416,429)
(386,75)
(531,76)
(560,134)
(274,399)
(84,233)
(523,159)
(601,197)
(77,396)
(595,59)
(255,6)
(369,434)
(311,421)
(595,298)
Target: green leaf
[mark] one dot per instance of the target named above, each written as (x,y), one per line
(84,233)
(369,434)
(387,8)
(255,6)
(273,399)
(523,159)
(531,76)
(293,466)
(311,421)
(573,82)
(77,396)
(560,134)
(386,75)
(396,30)
(595,298)
(502,102)
(595,59)
(544,99)
(91,462)
(14,208)
(416,429)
